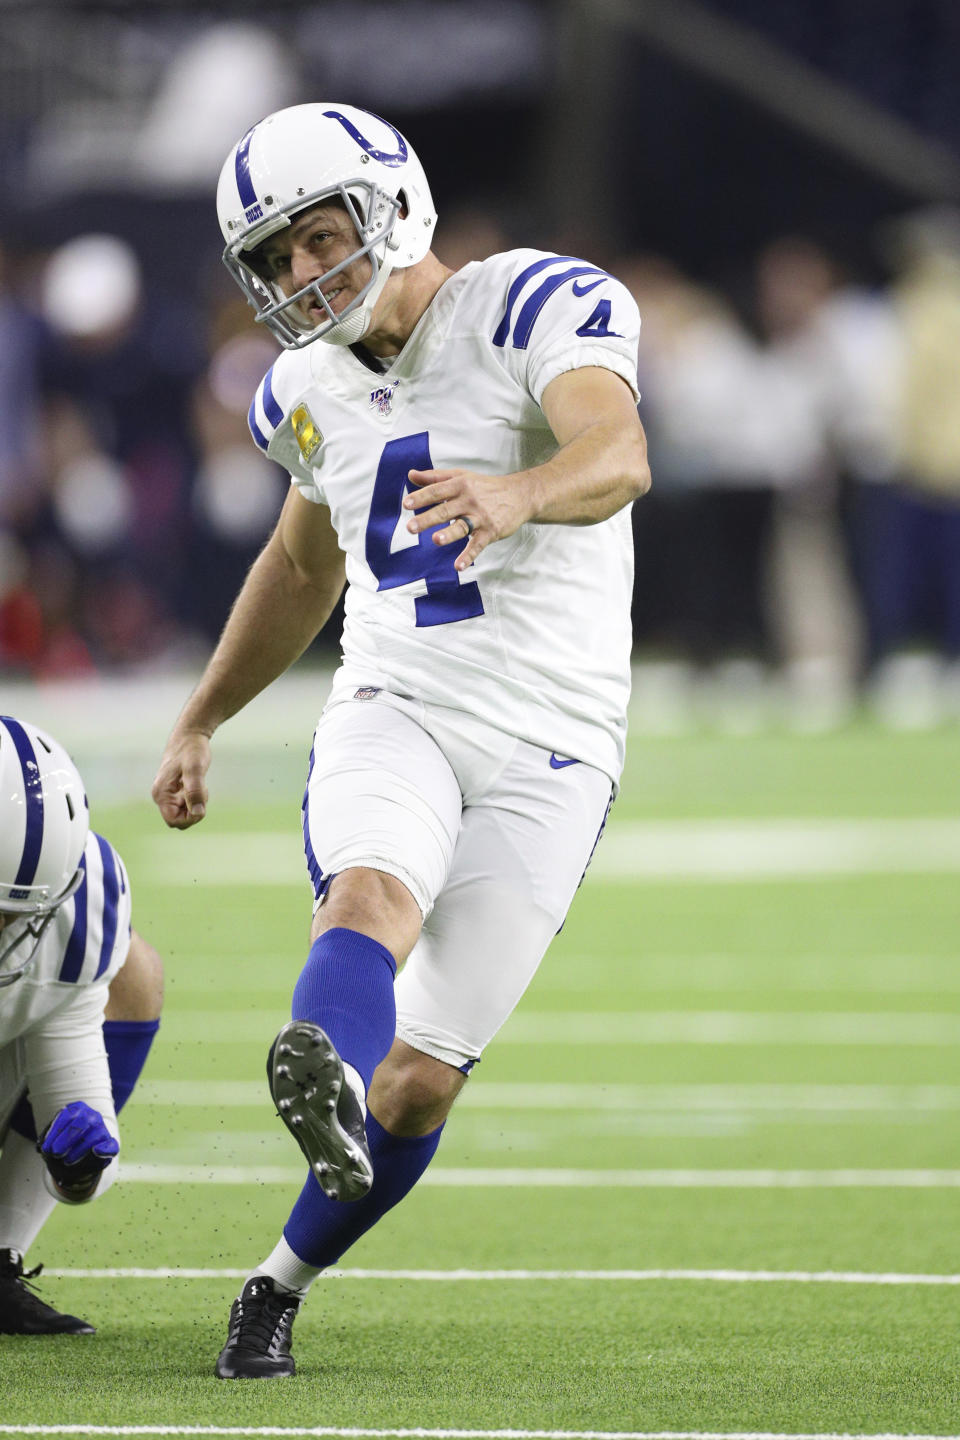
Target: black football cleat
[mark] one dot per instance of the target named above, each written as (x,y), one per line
(320,1110)
(22,1312)
(258,1341)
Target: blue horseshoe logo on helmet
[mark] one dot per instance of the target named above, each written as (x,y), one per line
(381,155)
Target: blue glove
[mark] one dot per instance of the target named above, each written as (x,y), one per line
(76,1147)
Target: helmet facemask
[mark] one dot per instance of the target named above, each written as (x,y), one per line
(374,213)
(30,923)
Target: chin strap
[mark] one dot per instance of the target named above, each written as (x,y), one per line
(354,326)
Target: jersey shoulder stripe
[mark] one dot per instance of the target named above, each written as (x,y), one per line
(77,944)
(259,439)
(100,928)
(111,894)
(565,267)
(502,332)
(271,409)
(268,412)
(264,414)
(532,307)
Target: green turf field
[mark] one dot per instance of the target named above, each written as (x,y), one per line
(716,1149)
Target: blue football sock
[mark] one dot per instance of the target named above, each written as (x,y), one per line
(346,987)
(128,1045)
(320,1230)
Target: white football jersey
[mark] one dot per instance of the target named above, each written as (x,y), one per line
(51,1018)
(535,637)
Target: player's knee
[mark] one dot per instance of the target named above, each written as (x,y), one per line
(412,1093)
(136,991)
(376,904)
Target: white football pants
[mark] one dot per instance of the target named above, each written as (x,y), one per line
(491,836)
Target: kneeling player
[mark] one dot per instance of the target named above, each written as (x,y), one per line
(80,998)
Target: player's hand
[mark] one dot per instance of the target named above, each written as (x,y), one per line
(494,505)
(77,1147)
(180,789)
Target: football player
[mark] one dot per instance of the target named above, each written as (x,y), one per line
(80,998)
(463,449)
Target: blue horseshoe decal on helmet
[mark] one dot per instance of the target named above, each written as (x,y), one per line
(248,195)
(381,155)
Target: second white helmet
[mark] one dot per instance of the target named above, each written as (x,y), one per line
(44,822)
(298,157)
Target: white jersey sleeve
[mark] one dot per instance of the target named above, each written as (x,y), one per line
(561,314)
(65,1060)
(286,433)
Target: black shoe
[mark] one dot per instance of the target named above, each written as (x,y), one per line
(258,1343)
(320,1110)
(22,1312)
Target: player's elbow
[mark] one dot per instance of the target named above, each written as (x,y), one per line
(636,470)
(640,480)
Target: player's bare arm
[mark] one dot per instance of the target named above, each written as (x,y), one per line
(286,599)
(601,466)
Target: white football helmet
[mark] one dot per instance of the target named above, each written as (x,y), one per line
(296,158)
(44,822)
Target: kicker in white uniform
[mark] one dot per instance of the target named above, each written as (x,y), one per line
(463,450)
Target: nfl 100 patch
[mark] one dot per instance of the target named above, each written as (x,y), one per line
(308,434)
(381,399)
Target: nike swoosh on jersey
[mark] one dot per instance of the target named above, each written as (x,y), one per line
(581,287)
(560,762)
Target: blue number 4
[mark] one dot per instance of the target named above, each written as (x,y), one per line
(446,599)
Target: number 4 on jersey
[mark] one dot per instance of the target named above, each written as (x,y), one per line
(446,600)
(598,324)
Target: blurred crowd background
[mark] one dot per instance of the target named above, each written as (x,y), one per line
(777,181)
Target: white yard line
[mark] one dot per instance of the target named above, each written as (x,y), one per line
(197,1174)
(353,1433)
(637,1027)
(780,972)
(730,1027)
(501,1095)
(456,1277)
(779,849)
(774,971)
(720,851)
(425,1434)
